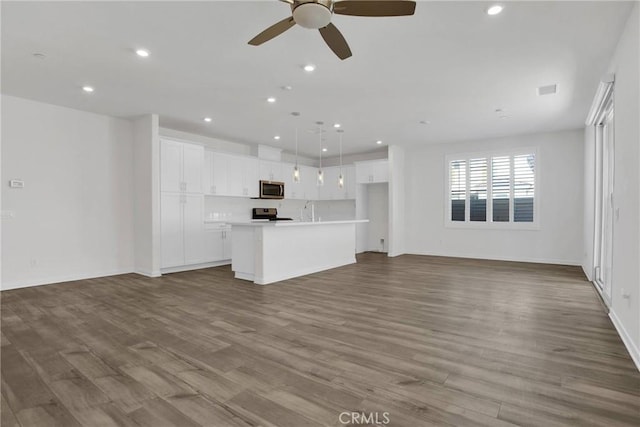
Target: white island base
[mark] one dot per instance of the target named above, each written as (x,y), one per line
(268,252)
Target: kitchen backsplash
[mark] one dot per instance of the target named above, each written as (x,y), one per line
(218,208)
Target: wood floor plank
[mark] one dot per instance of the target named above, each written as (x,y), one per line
(431,340)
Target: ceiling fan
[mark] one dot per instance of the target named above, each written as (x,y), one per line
(316,14)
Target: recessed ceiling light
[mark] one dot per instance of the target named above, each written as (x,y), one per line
(207,119)
(378,142)
(295,113)
(287,87)
(38,55)
(142,53)
(424,122)
(498,110)
(324,150)
(276,137)
(87,88)
(494,10)
(337,125)
(271,100)
(309,68)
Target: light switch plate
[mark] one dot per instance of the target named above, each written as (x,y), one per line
(16,183)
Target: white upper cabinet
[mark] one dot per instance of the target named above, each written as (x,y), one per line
(251,177)
(171,166)
(192,162)
(271,170)
(372,171)
(230,175)
(331,191)
(181,167)
(308,183)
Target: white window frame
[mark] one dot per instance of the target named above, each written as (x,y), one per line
(489,224)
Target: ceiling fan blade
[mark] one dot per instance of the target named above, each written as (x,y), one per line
(273,31)
(336,41)
(375,7)
(287,1)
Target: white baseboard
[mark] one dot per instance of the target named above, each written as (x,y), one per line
(147,273)
(27,283)
(634,352)
(194,266)
(501,258)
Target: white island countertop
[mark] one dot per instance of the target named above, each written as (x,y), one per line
(267,223)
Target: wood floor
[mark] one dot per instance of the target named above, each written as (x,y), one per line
(428,340)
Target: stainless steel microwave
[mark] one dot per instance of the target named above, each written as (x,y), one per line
(271,190)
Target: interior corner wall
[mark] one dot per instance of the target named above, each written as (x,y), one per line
(74,217)
(397,219)
(146,161)
(560,186)
(625,274)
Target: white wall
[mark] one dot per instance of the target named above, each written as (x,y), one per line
(74,218)
(397,201)
(560,187)
(146,161)
(625,312)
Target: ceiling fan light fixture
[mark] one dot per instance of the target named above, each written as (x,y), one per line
(312,15)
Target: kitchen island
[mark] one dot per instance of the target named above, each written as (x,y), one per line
(270,251)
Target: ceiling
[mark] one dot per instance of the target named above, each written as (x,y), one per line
(450,64)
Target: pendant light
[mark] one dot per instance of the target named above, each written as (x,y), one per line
(296,169)
(320,173)
(341,176)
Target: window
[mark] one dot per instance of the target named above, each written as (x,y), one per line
(492,189)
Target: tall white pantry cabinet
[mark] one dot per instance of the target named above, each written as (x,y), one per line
(181,203)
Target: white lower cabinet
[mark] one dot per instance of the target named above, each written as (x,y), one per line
(217,242)
(182,227)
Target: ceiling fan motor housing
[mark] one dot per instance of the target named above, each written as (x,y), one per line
(312,14)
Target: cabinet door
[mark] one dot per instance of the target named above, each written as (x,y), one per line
(270,170)
(171,229)
(330,188)
(380,171)
(226,243)
(309,183)
(287,178)
(192,160)
(214,247)
(193,226)
(170,165)
(251,177)
(207,172)
(235,175)
(350,182)
(363,173)
(219,174)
